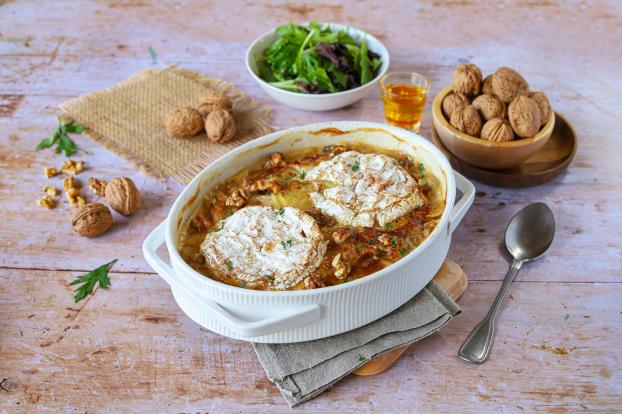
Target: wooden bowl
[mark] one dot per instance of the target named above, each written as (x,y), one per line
(483,153)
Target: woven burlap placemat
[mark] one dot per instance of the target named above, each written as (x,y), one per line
(128,119)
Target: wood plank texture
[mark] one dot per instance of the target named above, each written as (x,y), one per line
(130,349)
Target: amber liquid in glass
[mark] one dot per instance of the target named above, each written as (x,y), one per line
(403,105)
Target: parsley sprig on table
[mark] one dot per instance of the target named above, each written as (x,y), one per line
(60,138)
(88,281)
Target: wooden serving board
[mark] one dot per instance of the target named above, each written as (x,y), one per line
(543,166)
(452,279)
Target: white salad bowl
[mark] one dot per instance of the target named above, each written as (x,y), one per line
(316,102)
(303,315)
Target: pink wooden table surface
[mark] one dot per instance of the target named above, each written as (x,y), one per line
(130,349)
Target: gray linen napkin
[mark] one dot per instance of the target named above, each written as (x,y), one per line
(303,370)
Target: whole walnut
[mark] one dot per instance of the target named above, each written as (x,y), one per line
(220,126)
(467,79)
(487,85)
(489,107)
(543,104)
(507,84)
(91,220)
(184,122)
(466,120)
(452,102)
(214,100)
(497,130)
(524,116)
(123,196)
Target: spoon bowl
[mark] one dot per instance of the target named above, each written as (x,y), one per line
(530,232)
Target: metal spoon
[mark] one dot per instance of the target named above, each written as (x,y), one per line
(527,238)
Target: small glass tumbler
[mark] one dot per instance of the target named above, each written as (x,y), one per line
(404,95)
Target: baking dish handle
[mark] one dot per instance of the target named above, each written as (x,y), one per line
(295,317)
(462,206)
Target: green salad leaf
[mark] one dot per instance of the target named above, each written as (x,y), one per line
(312,59)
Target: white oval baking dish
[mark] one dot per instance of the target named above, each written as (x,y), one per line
(294,316)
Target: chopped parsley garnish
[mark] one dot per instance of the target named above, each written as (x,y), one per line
(303,174)
(393,241)
(281,211)
(403,252)
(421,167)
(356,166)
(286,243)
(229,265)
(271,277)
(362,246)
(243,285)
(371,242)
(388,226)
(361,358)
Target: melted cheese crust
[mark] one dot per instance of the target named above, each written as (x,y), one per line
(364,189)
(259,242)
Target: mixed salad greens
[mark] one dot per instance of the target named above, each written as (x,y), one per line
(317,60)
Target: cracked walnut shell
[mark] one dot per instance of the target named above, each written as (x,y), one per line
(467,120)
(497,130)
(92,220)
(467,79)
(220,126)
(123,196)
(543,104)
(184,122)
(213,100)
(524,116)
(489,107)
(507,84)
(452,102)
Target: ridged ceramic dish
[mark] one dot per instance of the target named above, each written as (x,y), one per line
(303,315)
(319,102)
(482,153)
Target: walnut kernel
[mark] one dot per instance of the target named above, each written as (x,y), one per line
(50,190)
(98,186)
(220,126)
(123,196)
(341,235)
(72,167)
(50,172)
(47,202)
(238,198)
(91,220)
(184,122)
(342,268)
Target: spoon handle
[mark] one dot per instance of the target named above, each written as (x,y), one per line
(477,346)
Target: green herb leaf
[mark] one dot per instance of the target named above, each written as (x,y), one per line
(361,358)
(421,167)
(60,138)
(303,174)
(403,252)
(243,285)
(388,226)
(356,166)
(270,277)
(88,281)
(281,211)
(393,241)
(286,243)
(229,265)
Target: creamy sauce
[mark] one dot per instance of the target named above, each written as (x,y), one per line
(281,181)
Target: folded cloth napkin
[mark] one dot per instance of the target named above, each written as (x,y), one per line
(303,370)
